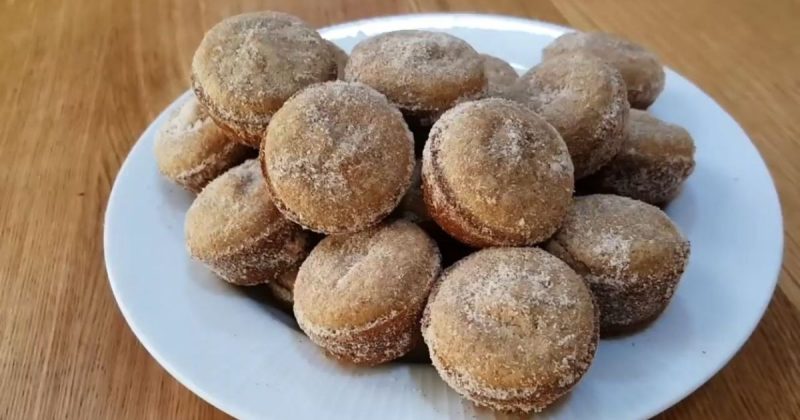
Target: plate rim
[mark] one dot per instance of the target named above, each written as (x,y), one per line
(436,20)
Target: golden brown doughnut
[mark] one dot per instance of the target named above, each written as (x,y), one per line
(191,150)
(511,329)
(639,67)
(424,73)
(495,173)
(500,77)
(248,65)
(655,159)
(338,157)
(584,99)
(360,296)
(233,227)
(629,252)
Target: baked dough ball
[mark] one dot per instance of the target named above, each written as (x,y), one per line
(511,329)
(629,252)
(496,174)
(655,159)
(423,73)
(234,229)
(191,150)
(338,157)
(360,296)
(640,68)
(248,65)
(584,99)
(500,76)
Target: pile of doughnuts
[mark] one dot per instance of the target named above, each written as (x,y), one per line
(348,197)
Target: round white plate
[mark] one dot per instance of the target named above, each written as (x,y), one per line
(248,359)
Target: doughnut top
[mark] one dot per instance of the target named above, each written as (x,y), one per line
(338,157)
(189,141)
(639,67)
(248,65)
(501,164)
(419,71)
(617,240)
(585,100)
(510,322)
(500,76)
(231,212)
(355,281)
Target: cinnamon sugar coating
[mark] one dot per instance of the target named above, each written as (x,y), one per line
(512,329)
(585,100)
(640,68)
(248,65)
(191,150)
(338,157)
(360,296)
(423,73)
(496,174)
(655,159)
(629,252)
(500,76)
(233,227)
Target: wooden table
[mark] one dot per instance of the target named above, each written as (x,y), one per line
(80,80)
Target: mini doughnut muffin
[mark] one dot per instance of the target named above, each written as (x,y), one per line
(629,252)
(584,99)
(360,296)
(639,67)
(500,76)
(423,73)
(655,159)
(341,58)
(496,174)
(233,227)
(191,150)
(512,329)
(248,65)
(282,288)
(338,157)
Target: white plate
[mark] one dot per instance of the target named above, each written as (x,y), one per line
(247,359)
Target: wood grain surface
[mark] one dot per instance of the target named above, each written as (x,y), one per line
(81,79)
